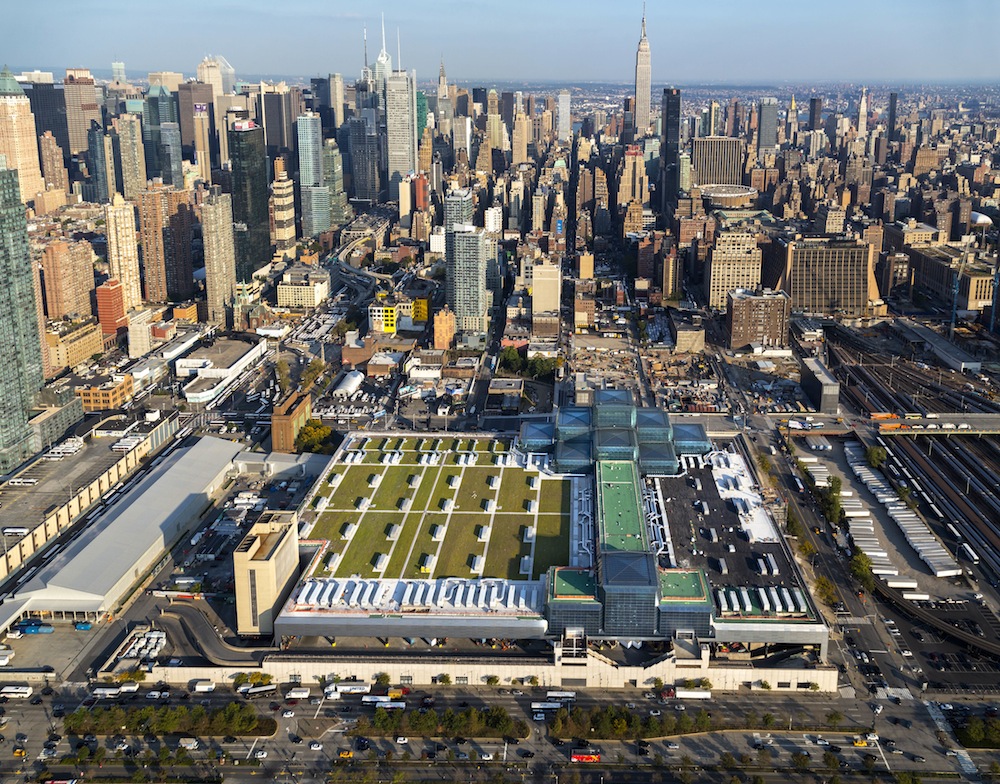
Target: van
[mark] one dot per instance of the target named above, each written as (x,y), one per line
(347,754)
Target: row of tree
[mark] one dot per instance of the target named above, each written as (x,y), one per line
(475,723)
(234,719)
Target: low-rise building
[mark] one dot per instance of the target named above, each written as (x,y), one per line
(211,369)
(108,395)
(303,286)
(74,344)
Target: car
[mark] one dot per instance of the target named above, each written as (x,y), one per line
(630,705)
(122,746)
(526,754)
(486,756)
(538,716)
(295,738)
(642,752)
(504,692)
(835,749)
(860,742)
(672,746)
(315,700)
(822,742)
(428,755)
(558,742)
(36,700)
(402,739)
(517,693)
(229,739)
(877,709)
(460,740)
(649,695)
(152,695)
(315,746)
(655,712)
(642,744)
(871,737)
(362,744)
(346,754)
(260,754)
(918,758)
(291,703)
(461,755)
(582,743)
(346,709)
(287,714)
(511,740)
(678,707)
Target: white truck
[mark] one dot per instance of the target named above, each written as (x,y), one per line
(191,744)
(204,687)
(298,693)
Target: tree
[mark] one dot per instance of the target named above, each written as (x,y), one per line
(766,686)
(800,761)
(492,680)
(510,359)
(313,371)
(875,455)
(825,590)
(767,720)
(445,679)
(383,679)
(833,719)
(283,374)
(807,549)
(727,760)
(830,760)
(861,570)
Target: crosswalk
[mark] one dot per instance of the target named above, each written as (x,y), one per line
(965,761)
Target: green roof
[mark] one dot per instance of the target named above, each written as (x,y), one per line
(619,507)
(8,84)
(680,585)
(572,583)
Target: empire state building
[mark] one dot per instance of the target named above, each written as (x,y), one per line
(642,86)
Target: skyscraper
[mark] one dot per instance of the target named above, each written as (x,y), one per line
(80,96)
(521,136)
(465,280)
(815,114)
(333,178)
(165,227)
(767,124)
(48,104)
(53,170)
(863,113)
(123,250)
(670,144)
(315,196)
(249,198)
(69,278)
(718,160)
(131,155)
(565,119)
(642,82)
(101,163)
(337,99)
(364,157)
(282,212)
(158,107)
(893,105)
(401,127)
(118,72)
(171,155)
(18,140)
(190,94)
(220,256)
(20,342)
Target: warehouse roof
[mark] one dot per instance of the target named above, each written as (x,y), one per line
(84,573)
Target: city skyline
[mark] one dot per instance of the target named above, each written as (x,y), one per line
(758,48)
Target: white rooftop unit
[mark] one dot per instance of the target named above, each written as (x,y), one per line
(493,482)
(393,534)
(348,531)
(363,504)
(447,504)
(454,480)
(437,533)
(525,564)
(375,480)
(529,533)
(413,480)
(489,505)
(482,532)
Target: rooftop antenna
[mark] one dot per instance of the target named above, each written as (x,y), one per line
(383,31)
(366,45)
(399,57)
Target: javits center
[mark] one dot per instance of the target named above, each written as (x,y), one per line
(608,523)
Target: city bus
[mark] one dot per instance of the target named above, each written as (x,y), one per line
(544,706)
(261,691)
(375,699)
(16,692)
(561,696)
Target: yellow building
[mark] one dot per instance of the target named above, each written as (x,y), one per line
(74,346)
(265,568)
(108,396)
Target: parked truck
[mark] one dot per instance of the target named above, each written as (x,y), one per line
(298,693)
(191,744)
(693,694)
(204,687)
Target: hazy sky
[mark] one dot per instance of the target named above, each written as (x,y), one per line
(732,41)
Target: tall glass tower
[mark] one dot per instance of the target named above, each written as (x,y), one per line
(251,223)
(20,343)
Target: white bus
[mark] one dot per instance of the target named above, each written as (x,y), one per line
(15,531)
(375,699)
(561,696)
(16,692)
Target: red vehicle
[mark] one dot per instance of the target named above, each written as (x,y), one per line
(584,757)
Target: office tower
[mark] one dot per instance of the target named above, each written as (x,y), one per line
(642,82)
(507,109)
(718,160)
(82,107)
(465,281)
(565,120)
(734,262)
(283,212)
(315,209)
(21,372)
(336,88)
(633,184)
(310,138)
(101,163)
(202,120)
(48,105)
(522,133)
(732,118)
(111,313)
(218,73)
(118,72)
(767,124)
(862,124)
(158,107)
(53,171)
(170,80)
(829,218)
(123,250)
(278,117)
(546,286)
(381,71)
(220,256)
(18,140)
(171,155)
(891,121)
(670,144)
(401,127)
(444,329)
(791,121)
(131,155)
(458,209)
(758,318)
(364,157)
(249,198)
(68,268)
(188,95)
(815,114)
(827,276)
(333,178)
(165,230)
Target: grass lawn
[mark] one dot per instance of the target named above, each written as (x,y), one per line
(369,540)
(459,546)
(329,525)
(552,543)
(506,548)
(474,489)
(352,486)
(397,563)
(441,489)
(554,496)
(393,487)
(424,545)
(514,491)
